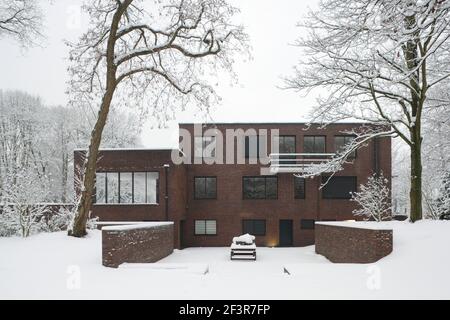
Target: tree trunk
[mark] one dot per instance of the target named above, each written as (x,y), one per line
(84,206)
(415,195)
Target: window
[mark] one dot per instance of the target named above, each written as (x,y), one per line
(340,142)
(112,187)
(314,144)
(260,187)
(100,187)
(338,187)
(254,146)
(205,227)
(299,188)
(152,187)
(127,187)
(254,227)
(205,187)
(307,224)
(140,193)
(286,144)
(205,147)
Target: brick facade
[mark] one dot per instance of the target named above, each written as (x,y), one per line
(136,244)
(352,244)
(229,208)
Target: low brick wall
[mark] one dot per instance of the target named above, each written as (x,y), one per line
(352,244)
(142,243)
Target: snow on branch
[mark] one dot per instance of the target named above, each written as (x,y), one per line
(162,52)
(21,20)
(374,199)
(379,61)
(361,136)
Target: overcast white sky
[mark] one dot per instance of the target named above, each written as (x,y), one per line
(271,25)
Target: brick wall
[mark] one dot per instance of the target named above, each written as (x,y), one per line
(347,244)
(145,243)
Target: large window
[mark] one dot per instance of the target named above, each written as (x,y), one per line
(205,187)
(205,147)
(205,227)
(127,187)
(299,188)
(112,187)
(314,144)
(338,187)
(254,227)
(260,187)
(255,146)
(340,142)
(100,182)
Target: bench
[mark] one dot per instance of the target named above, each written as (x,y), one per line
(243,248)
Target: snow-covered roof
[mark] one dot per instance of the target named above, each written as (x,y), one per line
(129,149)
(372,225)
(137,226)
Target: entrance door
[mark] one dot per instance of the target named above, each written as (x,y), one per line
(286,233)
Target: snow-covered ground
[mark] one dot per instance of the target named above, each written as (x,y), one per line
(56,266)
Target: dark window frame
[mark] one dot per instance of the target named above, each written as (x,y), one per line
(195,190)
(132,188)
(325,178)
(305,224)
(314,136)
(253,221)
(295,189)
(265,187)
(284,136)
(351,156)
(205,234)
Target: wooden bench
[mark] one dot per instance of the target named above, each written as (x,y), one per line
(243,252)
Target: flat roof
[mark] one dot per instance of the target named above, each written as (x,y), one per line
(128,149)
(274,123)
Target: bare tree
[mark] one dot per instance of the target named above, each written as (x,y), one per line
(155,56)
(374,199)
(380,62)
(21,20)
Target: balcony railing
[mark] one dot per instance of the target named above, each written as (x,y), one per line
(296,162)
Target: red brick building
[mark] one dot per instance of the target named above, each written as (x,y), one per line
(212,203)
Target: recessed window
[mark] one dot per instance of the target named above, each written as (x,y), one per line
(307,224)
(254,227)
(260,187)
(338,187)
(126,187)
(205,227)
(205,147)
(299,187)
(205,187)
(314,144)
(340,142)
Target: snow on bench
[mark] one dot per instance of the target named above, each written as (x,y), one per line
(243,247)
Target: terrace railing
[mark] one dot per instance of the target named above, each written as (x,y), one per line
(295,162)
